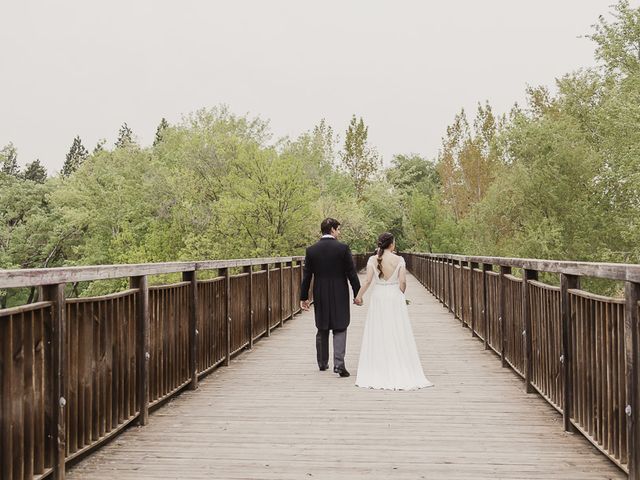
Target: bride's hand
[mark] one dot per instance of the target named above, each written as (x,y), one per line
(358,301)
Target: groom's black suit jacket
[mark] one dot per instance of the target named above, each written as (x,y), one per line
(330,263)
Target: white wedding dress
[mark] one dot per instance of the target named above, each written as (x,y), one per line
(389,356)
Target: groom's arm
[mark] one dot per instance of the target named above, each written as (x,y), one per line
(352,275)
(307,275)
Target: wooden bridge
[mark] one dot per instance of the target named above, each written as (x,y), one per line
(78,377)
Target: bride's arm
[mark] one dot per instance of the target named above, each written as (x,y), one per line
(367,282)
(402,277)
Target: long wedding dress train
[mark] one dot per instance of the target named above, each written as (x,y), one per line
(389,356)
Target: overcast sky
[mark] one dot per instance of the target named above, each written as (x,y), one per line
(84,67)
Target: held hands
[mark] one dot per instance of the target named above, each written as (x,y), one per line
(358,301)
(304,305)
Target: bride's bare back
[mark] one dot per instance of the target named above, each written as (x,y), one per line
(388,264)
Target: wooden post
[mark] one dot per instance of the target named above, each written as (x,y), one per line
(55,386)
(567,282)
(632,350)
(472,298)
(268,300)
(526,320)
(430,275)
(450,285)
(460,291)
(193,327)
(227,314)
(440,267)
(281,267)
(142,347)
(502,312)
(292,296)
(249,269)
(485,303)
(457,293)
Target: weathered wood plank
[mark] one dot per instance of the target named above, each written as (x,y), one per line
(614,271)
(55,400)
(632,349)
(48,276)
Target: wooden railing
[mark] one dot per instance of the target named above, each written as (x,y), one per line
(74,372)
(580,351)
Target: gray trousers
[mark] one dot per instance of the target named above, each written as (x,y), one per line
(339,347)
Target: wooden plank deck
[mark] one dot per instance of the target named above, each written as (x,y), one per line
(272,415)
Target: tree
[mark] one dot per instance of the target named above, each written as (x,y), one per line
(99,146)
(618,42)
(9,160)
(467,161)
(409,171)
(359,160)
(76,156)
(35,172)
(160,131)
(31,232)
(125,136)
(267,204)
(324,141)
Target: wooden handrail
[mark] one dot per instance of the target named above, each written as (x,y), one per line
(33,277)
(75,372)
(613,271)
(579,350)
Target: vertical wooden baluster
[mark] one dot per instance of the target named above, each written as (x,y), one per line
(502,286)
(281,275)
(39,392)
(227,314)
(472,298)
(458,293)
(142,347)
(6,400)
(194,332)
(485,303)
(291,292)
(249,269)
(451,287)
(441,282)
(609,445)
(55,394)
(440,271)
(632,350)
(526,321)
(268,300)
(567,282)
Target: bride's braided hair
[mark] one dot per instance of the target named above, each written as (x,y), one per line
(384,241)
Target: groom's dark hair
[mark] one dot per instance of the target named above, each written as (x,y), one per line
(327,224)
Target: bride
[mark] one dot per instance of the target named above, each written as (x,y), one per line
(388,356)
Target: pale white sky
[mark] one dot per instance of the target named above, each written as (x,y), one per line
(84,67)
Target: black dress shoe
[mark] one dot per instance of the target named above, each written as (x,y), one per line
(323,368)
(341,371)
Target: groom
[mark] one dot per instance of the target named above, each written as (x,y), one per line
(331,263)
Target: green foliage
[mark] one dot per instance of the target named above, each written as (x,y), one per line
(76,156)
(618,42)
(160,130)
(125,137)
(9,160)
(35,172)
(99,146)
(359,160)
(558,179)
(31,232)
